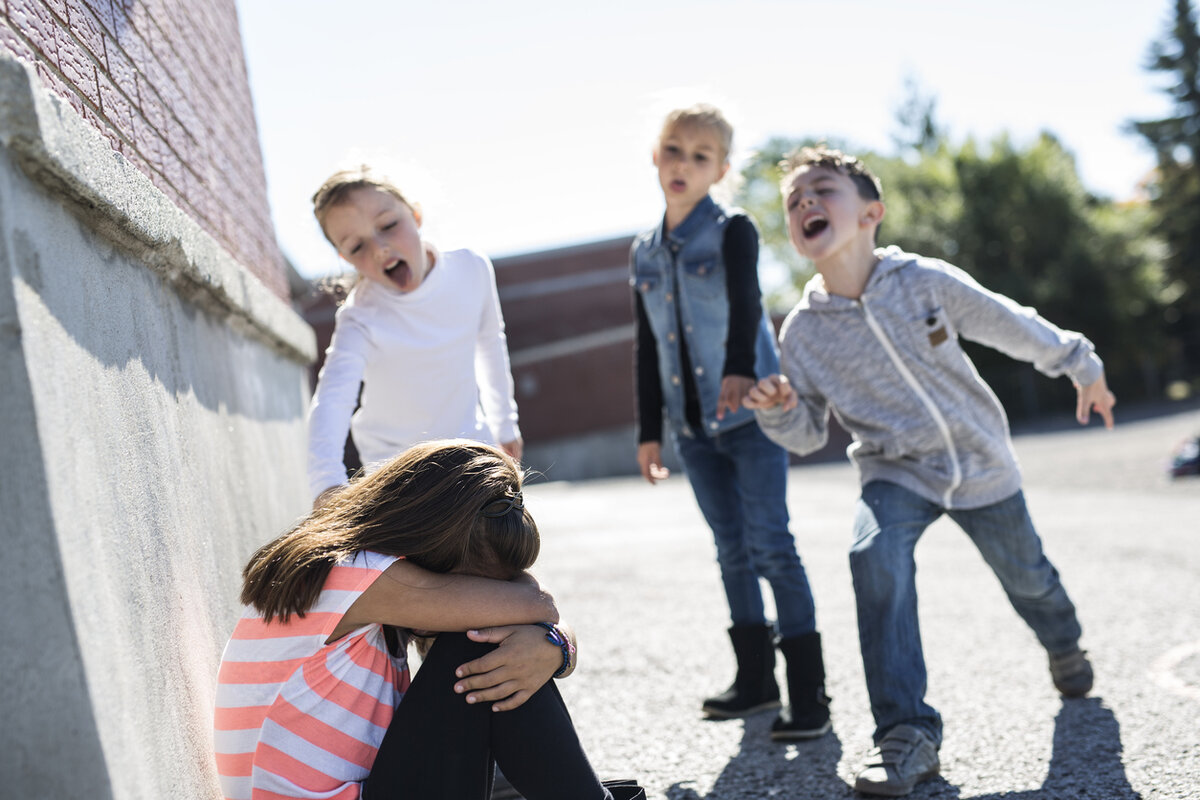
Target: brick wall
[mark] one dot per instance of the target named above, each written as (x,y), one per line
(165,82)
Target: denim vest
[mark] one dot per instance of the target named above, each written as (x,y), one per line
(681,279)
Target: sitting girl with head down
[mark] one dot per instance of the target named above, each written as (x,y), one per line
(314,698)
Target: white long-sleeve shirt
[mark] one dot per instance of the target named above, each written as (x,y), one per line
(433,363)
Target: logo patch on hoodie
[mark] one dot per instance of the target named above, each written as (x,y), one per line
(937,336)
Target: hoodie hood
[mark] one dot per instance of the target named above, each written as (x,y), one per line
(817,298)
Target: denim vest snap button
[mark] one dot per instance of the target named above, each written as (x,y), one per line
(675,380)
(699,370)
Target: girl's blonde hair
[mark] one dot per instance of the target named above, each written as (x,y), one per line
(701,115)
(338,186)
(450,505)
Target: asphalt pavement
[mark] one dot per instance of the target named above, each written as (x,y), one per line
(632,568)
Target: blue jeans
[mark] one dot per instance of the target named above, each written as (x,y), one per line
(740,481)
(889,521)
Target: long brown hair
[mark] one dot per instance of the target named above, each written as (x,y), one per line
(426,505)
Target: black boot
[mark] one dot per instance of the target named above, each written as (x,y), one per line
(807,714)
(754,688)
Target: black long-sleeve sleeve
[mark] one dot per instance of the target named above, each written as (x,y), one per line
(740,250)
(647,381)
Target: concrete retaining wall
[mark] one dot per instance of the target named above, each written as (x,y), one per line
(152,394)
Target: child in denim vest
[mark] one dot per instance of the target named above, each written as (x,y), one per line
(875,340)
(702,338)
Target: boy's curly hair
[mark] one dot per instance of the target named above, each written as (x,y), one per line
(864,180)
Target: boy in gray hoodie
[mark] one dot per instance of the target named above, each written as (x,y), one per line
(874,340)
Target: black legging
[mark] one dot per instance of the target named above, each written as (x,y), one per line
(441,746)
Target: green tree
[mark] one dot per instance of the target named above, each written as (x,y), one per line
(1030,230)
(1175,191)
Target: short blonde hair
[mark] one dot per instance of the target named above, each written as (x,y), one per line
(701,115)
(338,186)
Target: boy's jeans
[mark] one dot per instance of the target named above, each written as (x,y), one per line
(740,481)
(889,522)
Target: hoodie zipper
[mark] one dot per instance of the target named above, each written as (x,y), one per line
(926,400)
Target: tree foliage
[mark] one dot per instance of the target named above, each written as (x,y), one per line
(1175,190)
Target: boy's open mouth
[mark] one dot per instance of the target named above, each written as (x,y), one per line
(399,273)
(814,225)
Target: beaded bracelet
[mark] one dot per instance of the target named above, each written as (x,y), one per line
(563,642)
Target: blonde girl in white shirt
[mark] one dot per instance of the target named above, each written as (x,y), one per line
(421,332)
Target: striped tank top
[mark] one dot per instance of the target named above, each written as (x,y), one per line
(298,718)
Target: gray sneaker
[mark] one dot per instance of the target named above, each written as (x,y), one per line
(905,757)
(1072,673)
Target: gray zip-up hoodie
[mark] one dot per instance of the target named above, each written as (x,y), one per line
(890,367)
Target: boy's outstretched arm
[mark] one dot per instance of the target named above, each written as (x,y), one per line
(1095,397)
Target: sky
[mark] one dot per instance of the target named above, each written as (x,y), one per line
(523,125)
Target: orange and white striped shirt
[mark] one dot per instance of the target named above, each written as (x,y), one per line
(298,718)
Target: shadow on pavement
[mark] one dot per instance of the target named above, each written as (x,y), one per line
(1085,763)
(1086,760)
(766,769)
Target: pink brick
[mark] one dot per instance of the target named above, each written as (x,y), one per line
(151,105)
(58,7)
(189,32)
(131,41)
(205,201)
(53,81)
(136,14)
(153,147)
(154,37)
(38,24)
(169,36)
(180,140)
(121,69)
(11,41)
(77,66)
(87,28)
(189,120)
(191,188)
(171,166)
(116,108)
(105,14)
(169,95)
(103,126)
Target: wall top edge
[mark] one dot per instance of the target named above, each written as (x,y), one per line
(57,148)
